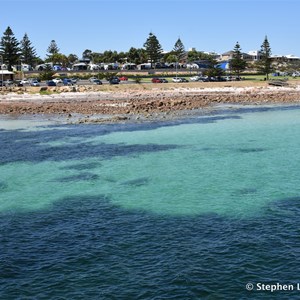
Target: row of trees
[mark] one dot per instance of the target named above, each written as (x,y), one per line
(237,63)
(151,51)
(14,52)
(264,65)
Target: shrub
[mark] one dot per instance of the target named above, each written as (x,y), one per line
(137,79)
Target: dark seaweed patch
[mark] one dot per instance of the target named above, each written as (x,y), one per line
(83,166)
(31,151)
(206,149)
(136,182)
(3,185)
(251,150)
(246,191)
(80,177)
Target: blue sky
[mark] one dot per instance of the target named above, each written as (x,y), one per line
(207,25)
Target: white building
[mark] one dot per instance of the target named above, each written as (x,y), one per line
(291,57)
(255,54)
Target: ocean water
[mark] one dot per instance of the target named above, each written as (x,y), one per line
(195,208)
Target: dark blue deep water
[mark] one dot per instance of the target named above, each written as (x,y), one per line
(81,249)
(85,238)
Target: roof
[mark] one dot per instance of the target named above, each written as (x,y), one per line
(291,56)
(228,53)
(6,72)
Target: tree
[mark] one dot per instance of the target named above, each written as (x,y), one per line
(179,50)
(96,57)
(136,55)
(110,56)
(28,52)
(133,55)
(122,57)
(142,56)
(87,54)
(58,59)
(153,48)
(264,65)
(52,49)
(47,73)
(72,58)
(214,69)
(9,48)
(194,55)
(171,57)
(237,64)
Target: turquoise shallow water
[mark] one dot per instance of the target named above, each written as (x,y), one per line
(185,209)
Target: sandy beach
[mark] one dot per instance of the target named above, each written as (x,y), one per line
(126,102)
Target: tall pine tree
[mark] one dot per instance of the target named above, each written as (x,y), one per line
(52,49)
(27,51)
(9,48)
(153,48)
(264,65)
(237,64)
(179,50)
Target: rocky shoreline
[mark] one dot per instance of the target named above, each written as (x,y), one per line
(125,105)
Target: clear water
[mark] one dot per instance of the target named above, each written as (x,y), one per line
(188,209)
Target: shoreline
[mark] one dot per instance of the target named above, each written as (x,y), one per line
(131,104)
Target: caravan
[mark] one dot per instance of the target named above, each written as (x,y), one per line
(80,67)
(129,66)
(111,66)
(43,67)
(22,67)
(93,67)
(146,66)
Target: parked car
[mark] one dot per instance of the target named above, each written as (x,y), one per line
(32,79)
(114,80)
(74,80)
(179,79)
(2,83)
(35,83)
(18,83)
(164,80)
(156,80)
(8,82)
(96,81)
(51,83)
(57,80)
(196,78)
(67,81)
(123,78)
(176,79)
(24,82)
(92,78)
